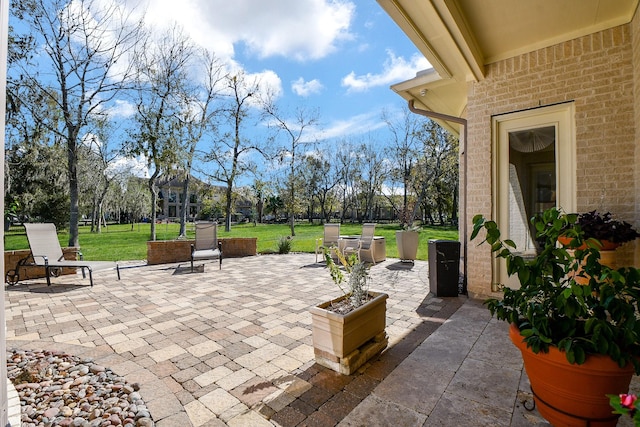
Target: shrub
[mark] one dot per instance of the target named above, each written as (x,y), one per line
(284,245)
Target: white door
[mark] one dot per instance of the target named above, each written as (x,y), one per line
(534,169)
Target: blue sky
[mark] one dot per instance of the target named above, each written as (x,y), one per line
(337,56)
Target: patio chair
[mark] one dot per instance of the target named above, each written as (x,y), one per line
(207,245)
(330,239)
(365,243)
(46,252)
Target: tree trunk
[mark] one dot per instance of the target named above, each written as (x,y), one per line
(292,224)
(260,207)
(227,208)
(73,190)
(99,205)
(184,204)
(154,202)
(94,213)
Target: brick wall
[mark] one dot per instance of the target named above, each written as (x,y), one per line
(168,251)
(12,258)
(635,30)
(596,73)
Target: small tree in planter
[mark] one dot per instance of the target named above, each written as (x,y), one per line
(357,291)
(350,329)
(556,319)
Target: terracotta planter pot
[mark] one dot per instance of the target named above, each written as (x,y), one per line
(607,245)
(573,395)
(407,243)
(607,257)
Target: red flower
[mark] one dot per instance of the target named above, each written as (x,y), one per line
(628,400)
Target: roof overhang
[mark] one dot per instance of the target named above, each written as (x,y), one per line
(430,92)
(460,37)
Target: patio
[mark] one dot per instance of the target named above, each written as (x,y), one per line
(233,347)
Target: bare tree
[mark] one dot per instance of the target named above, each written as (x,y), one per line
(321,178)
(372,175)
(82,67)
(136,199)
(229,148)
(259,189)
(349,169)
(404,157)
(436,184)
(196,118)
(294,130)
(96,167)
(162,75)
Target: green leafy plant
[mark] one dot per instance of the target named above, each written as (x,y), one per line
(354,273)
(11,207)
(551,309)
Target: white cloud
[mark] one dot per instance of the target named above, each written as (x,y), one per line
(302,88)
(268,80)
(129,165)
(395,69)
(357,125)
(303,30)
(122,109)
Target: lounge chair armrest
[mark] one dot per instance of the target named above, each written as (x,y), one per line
(44,258)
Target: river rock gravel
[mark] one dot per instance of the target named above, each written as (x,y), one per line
(58,389)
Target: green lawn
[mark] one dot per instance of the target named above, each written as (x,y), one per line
(120,242)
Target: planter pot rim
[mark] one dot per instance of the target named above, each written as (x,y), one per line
(559,357)
(321,308)
(607,245)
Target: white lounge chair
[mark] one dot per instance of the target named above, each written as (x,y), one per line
(207,245)
(46,252)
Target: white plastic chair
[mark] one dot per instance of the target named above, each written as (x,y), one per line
(330,239)
(365,244)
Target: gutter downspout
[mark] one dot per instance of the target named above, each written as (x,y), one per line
(463,153)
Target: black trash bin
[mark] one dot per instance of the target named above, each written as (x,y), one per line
(444,267)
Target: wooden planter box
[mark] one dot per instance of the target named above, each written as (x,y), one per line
(345,342)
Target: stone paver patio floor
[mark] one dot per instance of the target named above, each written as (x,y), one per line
(233,346)
(224,346)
